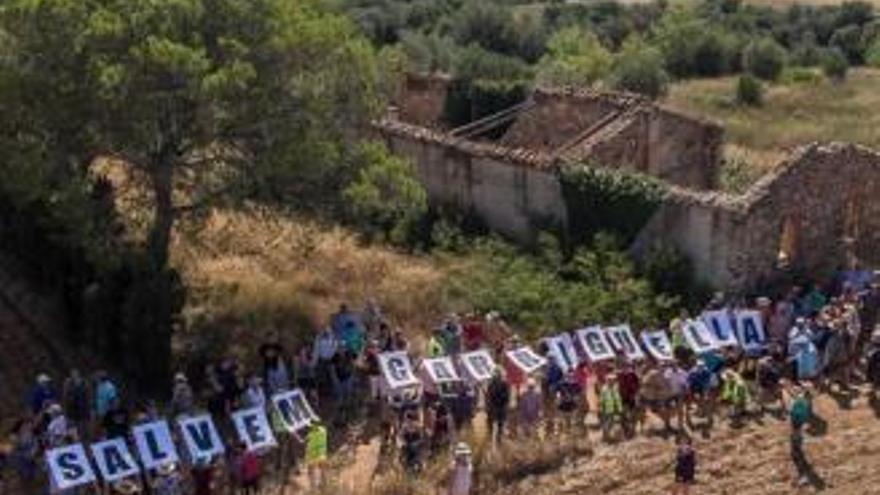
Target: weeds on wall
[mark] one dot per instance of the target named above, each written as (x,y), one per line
(607,200)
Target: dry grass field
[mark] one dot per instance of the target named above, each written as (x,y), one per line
(792,114)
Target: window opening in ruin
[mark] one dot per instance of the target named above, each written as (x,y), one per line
(787,242)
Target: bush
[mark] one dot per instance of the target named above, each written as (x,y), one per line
(542,293)
(749,91)
(872,56)
(671,272)
(639,68)
(574,58)
(765,59)
(848,40)
(835,65)
(607,200)
(801,75)
(385,199)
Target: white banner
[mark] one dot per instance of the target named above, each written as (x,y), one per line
(295,411)
(200,436)
(114,460)
(658,345)
(750,330)
(595,344)
(397,370)
(721,324)
(699,336)
(526,359)
(478,365)
(441,370)
(154,445)
(69,467)
(253,428)
(563,352)
(622,339)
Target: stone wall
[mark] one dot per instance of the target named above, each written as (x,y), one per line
(683,149)
(512,190)
(560,115)
(823,193)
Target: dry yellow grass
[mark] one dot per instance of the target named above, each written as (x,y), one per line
(792,114)
(262,270)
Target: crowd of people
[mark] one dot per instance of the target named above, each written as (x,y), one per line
(818,339)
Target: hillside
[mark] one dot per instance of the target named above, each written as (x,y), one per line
(750,461)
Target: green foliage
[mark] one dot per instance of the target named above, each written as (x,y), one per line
(749,91)
(428,52)
(494,28)
(671,272)
(765,59)
(608,200)
(872,56)
(473,62)
(543,293)
(639,69)
(849,41)
(692,45)
(574,58)
(801,75)
(835,65)
(385,199)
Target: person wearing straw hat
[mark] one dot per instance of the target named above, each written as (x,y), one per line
(125,486)
(461,472)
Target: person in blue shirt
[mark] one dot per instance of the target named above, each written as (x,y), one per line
(42,394)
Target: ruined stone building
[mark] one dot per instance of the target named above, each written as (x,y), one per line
(817,210)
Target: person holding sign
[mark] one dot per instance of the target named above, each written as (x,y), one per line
(497,404)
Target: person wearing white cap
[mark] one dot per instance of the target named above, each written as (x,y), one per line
(182,396)
(57,429)
(461,473)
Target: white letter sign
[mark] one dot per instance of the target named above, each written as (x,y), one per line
(658,345)
(397,370)
(750,330)
(595,343)
(698,336)
(478,365)
(622,339)
(69,467)
(154,444)
(563,352)
(114,460)
(253,428)
(526,359)
(441,370)
(294,409)
(200,436)
(722,327)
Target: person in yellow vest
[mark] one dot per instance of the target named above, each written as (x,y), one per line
(316,453)
(735,392)
(436,344)
(610,405)
(676,330)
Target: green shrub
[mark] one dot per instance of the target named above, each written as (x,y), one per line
(607,200)
(574,57)
(848,40)
(543,293)
(765,59)
(872,56)
(801,75)
(749,91)
(671,272)
(639,69)
(385,199)
(835,65)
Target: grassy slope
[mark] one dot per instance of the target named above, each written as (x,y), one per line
(750,461)
(792,114)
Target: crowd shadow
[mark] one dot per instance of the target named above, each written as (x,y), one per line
(844,397)
(817,426)
(874,402)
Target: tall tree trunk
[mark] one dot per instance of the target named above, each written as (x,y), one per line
(159,240)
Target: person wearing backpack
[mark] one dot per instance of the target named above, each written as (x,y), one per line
(497,403)
(799,414)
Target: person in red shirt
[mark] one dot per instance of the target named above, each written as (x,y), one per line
(203,476)
(472,331)
(628,384)
(248,470)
